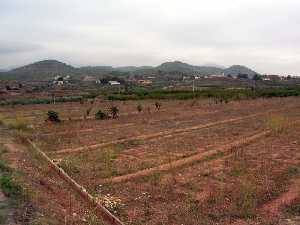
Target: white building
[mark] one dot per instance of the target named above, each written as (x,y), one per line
(112,82)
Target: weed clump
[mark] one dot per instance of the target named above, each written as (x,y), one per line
(139,108)
(88,111)
(69,167)
(114,110)
(100,115)
(9,187)
(8,184)
(18,124)
(53,116)
(157,105)
(277,123)
(294,208)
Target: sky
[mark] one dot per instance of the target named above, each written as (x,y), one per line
(261,34)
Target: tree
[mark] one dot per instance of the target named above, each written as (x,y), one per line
(114,111)
(53,116)
(88,111)
(139,108)
(157,105)
(104,81)
(256,77)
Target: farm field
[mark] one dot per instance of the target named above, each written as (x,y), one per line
(190,162)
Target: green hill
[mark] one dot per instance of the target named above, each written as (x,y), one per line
(41,70)
(178,66)
(238,69)
(47,69)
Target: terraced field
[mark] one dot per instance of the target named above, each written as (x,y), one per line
(191,162)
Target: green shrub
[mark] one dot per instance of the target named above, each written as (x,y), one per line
(4,167)
(53,116)
(69,167)
(9,187)
(294,209)
(101,115)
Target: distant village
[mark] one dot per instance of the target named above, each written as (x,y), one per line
(148,80)
(68,83)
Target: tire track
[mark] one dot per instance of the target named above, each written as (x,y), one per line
(168,133)
(186,161)
(121,125)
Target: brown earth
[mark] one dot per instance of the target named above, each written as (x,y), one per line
(166,166)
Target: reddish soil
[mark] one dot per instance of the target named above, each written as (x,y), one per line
(186,161)
(273,208)
(166,167)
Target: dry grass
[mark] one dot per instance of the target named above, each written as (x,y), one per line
(247,180)
(18,123)
(278,123)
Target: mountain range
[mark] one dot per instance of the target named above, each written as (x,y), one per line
(47,69)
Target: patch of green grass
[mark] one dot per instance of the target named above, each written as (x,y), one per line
(294,209)
(3,151)
(247,200)
(132,143)
(119,147)
(277,123)
(236,172)
(69,166)
(17,197)
(4,167)
(155,178)
(3,219)
(10,187)
(215,156)
(293,171)
(7,183)
(16,124)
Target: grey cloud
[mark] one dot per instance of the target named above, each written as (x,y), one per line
(262,34)
(17,47)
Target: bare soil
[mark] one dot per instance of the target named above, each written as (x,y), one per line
(185,164)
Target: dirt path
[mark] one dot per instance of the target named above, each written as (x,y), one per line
(185,161)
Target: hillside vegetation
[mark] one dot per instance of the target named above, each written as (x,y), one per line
(47,69)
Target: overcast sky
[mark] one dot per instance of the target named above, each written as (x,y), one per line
(262,34)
